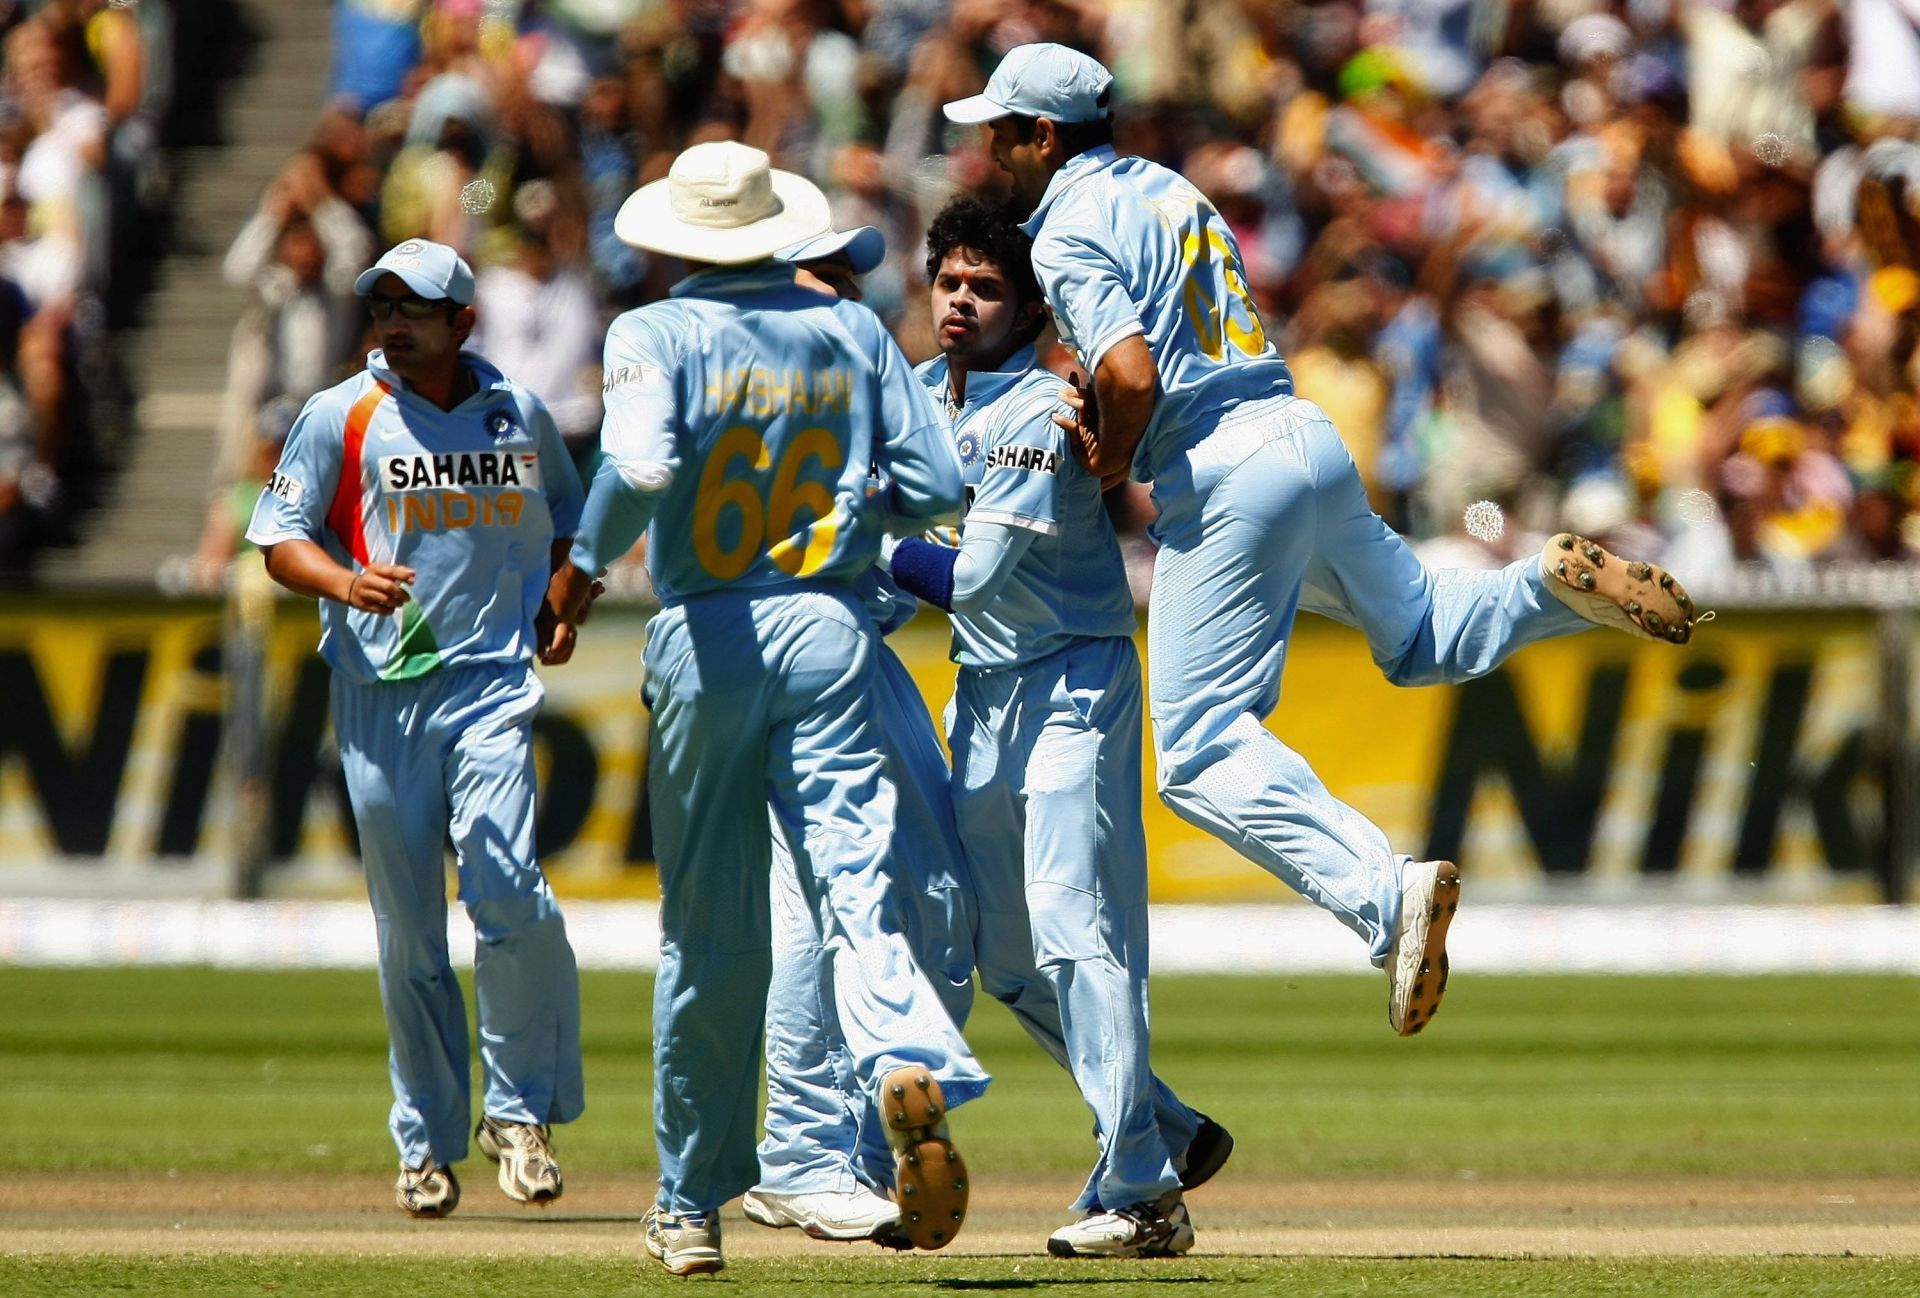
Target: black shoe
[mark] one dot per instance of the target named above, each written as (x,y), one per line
(1205,1154)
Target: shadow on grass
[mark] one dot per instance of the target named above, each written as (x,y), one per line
(1053,1282)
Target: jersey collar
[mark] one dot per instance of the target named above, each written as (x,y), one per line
(1076,170)
(735,281)
(983,386)
(485,375)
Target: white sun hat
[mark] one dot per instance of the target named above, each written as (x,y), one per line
(723,202)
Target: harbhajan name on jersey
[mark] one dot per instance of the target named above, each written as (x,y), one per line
(430,493)
(762,393)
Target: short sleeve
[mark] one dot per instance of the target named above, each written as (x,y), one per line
(638,394)
(1025,456)
(1087,293)
(293,504)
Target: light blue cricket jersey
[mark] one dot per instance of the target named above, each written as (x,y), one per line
(1124,246)
(470,498)
(1071,582)
(755,412)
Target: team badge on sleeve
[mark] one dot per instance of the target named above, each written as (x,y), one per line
(287,489)
(642,374)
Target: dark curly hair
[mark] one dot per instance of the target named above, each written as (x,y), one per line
(990,230)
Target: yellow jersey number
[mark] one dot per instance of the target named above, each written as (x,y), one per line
(769,525)
(1214,323)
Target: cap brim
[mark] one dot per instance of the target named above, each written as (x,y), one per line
(974,110)
(865,248)
(413,279)
(647,221)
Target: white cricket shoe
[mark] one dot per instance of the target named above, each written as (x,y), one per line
(1417,965)
(686,1243)
(825,1214)
(528,1172)
(1637,598)
(929,1174)
(1156,1229)
(426,1192)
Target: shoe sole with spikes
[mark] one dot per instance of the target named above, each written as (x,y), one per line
(930,1177)
(1637,598)
(1419,969)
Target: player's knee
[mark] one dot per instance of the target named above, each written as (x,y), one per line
(496,919)
(1066,924)
(414,954)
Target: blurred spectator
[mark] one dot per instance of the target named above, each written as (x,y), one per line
(299,255)
(1651,267)
(376,43)
(225,534)
(540,322)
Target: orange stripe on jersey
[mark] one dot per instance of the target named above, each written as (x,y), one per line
(343,515)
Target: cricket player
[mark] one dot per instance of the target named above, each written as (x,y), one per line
(825,1165)
(1045,732)
(425,503)
(1261,513)
(764,433)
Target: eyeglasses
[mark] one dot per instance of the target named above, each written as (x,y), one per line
(411,307)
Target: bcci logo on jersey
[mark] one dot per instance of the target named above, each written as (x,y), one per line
(503,425)
(969,448)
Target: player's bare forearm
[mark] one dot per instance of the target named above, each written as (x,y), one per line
(571,592)
(1125,388)
(306,569)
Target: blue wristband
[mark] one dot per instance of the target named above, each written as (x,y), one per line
(926,570)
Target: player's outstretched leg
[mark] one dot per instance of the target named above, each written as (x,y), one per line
(1431,627)
(1637,598)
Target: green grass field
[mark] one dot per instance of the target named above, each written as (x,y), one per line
(1546,1089)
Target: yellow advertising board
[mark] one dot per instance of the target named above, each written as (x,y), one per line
(1747,764)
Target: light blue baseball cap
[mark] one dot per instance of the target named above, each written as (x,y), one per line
(430,269)
(865,248)
(1041,80)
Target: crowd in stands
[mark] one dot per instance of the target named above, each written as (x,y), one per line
(86,83)
(1648,269)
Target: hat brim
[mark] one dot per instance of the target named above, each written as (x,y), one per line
(647,221)
(975,109)
(864,246)
(413,279)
